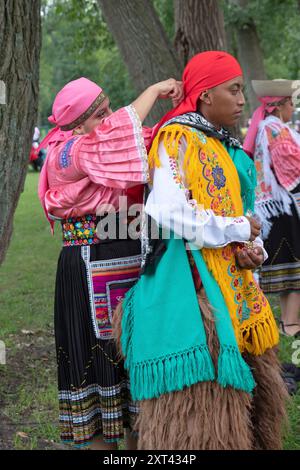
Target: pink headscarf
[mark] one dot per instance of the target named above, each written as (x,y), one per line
(258,115)
(70,103)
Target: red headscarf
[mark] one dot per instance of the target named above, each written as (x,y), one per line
(204,71)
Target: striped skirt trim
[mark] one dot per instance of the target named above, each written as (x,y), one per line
(94,396)
(280,277)
(94,411)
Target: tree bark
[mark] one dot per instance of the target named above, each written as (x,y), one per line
(250,54)
(144,46)
(20,41)
(199,26)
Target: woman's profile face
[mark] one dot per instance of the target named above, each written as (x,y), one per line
(286,110)
(96,119)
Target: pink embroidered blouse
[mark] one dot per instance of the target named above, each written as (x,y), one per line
(85,172)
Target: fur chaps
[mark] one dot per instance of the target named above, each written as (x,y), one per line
(207,416)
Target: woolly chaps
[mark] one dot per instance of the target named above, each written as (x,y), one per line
(207,416)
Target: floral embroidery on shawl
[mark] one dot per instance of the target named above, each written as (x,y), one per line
(221,202)
(250,313)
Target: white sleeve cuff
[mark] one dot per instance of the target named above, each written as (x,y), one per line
(258,241)
(238,230)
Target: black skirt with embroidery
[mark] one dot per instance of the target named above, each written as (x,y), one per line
(94,397)
(281,271)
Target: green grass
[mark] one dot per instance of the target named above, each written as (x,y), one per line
(28,387)
(28,273)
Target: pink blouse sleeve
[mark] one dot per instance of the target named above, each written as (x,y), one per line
(285,155)
(114,154)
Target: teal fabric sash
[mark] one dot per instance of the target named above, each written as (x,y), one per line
(163,336)
(247,175)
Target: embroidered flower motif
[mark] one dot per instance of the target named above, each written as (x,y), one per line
(227,252)
(257,307)
(64,158)
(240,312)
(176,172)
(219,178)
(203,157)
(211,189)
(233,269)
(264,300)
(80,231)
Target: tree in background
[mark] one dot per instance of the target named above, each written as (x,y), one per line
(277,24)
(265,36)
(143,44)
(199,26)
(249,50)
(20,42)
(76,42)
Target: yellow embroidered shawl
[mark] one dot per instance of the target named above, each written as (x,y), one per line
(214,183)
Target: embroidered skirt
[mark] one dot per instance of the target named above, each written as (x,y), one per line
(281,271)
(94,396)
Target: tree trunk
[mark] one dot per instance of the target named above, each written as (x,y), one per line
(199,26)
(250,54)
(20,41)
(143,45)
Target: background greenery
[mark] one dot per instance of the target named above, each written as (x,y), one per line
(76,42)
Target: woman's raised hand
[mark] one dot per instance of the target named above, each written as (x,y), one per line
(170,88)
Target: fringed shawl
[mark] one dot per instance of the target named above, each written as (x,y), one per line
(272,198)
(163,338)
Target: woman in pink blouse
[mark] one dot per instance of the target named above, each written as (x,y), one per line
(94,157)
(276,151)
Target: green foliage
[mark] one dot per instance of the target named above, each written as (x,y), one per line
(277,24)
(90,30)
(76,43)
(237,16)
(165,11)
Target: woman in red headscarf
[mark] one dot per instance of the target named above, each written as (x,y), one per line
(96,159)
(198,334)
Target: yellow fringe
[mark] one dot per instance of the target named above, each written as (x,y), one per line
(258,332)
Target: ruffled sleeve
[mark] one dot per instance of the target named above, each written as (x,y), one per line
(285,155)
(114,154)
